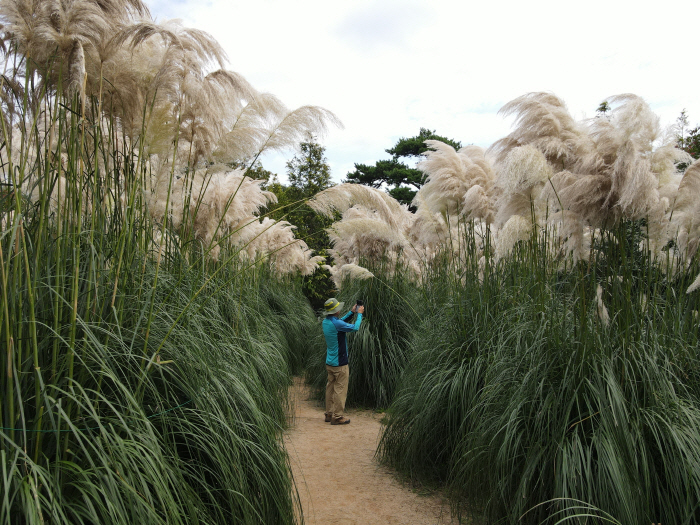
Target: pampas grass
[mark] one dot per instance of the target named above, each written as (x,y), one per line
(582,354)
(105,371)
(554,360)
(374,227)
(348,273)
(543,121)
(344,196)
(450,176)
(225,208)
(151,317)
(151,88)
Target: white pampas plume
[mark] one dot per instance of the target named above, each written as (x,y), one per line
(523,168)
(684,216)
(363,232)
(600,307)
(428,228)
(76,69)
(543,122)
(477,204)
(571,234)
(224,204)
(521,178)
(248,129)
(450,176)
(374,226)
(694,286)
(620,165)
(347,272)
(344,196)
(664,159)
(623,150)
(689,188)
(585,195)
(482,268)
(638,185)
(274,241)
(287,128)
(517,229)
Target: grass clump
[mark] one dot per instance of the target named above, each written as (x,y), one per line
(145,381)
(149,336)
(520,391)
(190,435)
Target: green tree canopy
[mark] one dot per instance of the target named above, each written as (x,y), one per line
(402,180)
(308,173)
(691,143)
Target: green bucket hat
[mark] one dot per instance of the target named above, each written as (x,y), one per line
(332,306)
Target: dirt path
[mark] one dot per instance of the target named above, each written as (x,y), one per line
(338,479)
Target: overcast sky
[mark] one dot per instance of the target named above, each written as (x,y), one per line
(387,68)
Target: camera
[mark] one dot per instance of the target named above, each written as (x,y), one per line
(359,302)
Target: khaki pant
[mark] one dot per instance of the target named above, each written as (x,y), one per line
(336,390)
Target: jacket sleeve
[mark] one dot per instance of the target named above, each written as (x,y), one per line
(342,326)
(347,316)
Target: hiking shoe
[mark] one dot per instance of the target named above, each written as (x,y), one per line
(328,418)
(340,421)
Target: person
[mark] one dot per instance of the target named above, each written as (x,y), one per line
(335,328)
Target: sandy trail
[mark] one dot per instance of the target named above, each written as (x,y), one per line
(338,479)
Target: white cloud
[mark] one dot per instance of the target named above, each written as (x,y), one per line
(387,68)
(387,23)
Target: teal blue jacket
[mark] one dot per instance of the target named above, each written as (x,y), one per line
(334,329)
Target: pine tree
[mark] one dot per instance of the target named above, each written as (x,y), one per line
(402,180)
